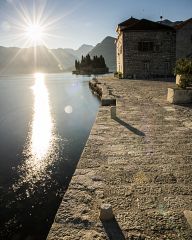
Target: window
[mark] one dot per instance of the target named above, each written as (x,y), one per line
(157,48)
(167,67)
(145,46)
(146,66)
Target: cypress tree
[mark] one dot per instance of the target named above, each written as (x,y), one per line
(87,63)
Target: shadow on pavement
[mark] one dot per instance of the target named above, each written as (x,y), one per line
(186,105)
(113,230)
(129,127)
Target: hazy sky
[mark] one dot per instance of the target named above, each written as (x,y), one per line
(71,23)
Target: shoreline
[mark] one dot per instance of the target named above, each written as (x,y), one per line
(139,162)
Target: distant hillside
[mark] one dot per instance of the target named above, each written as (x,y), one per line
(83,50)
(169,23)
(66,60)
(23,60)
(16,60)
(106,48)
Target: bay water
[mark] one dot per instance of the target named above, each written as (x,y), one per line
(45,121)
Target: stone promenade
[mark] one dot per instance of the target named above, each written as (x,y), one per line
(140,162)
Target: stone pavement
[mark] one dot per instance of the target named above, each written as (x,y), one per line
(140,162)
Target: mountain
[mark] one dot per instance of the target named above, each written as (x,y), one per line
(22,60)
(83,50)
(28,60)
(106,48)
(169,23)
(67,60)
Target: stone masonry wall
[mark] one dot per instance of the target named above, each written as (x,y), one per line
(119,53)
(184,41)
(161,61)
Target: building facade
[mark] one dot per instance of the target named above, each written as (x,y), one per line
(145,49)
(184,39)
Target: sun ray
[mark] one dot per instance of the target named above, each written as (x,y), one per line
(55,57)
(35,26)
(14,57)
(42,9)
(40,15)
(22,12)
(35,57)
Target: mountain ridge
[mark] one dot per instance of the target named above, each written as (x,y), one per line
(169,22)
(107,49)
(84,49)
(17,60)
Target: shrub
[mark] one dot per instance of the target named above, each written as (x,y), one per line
(118,75)
(184,68)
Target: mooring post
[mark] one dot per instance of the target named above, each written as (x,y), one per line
(106,212)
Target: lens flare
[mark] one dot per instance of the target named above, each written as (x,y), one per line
(68,109)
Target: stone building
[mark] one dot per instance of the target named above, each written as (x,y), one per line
(145,49)
(184,39)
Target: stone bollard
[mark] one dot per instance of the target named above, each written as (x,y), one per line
(113,112)
(106,212)
(188,216)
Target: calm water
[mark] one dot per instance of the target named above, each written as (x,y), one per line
(45,121)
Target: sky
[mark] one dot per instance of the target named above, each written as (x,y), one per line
(71,23)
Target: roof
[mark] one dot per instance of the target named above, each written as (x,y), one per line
(128,22)
(143,24)
(124,25)
(179,26)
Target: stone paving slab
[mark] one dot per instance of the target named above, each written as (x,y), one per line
(140,162)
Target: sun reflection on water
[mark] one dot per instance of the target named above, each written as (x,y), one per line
(42,121)
(42,146)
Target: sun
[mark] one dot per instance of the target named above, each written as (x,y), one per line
(34,32)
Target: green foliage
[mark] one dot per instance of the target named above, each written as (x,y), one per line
(118,75)
(184,68)
(87,63)
(185,81)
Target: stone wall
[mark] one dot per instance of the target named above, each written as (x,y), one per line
(184,41)
(119,53)
(138,64)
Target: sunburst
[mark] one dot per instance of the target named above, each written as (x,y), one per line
(33,25)
(35,32)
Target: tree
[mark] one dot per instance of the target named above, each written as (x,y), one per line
(88,64)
